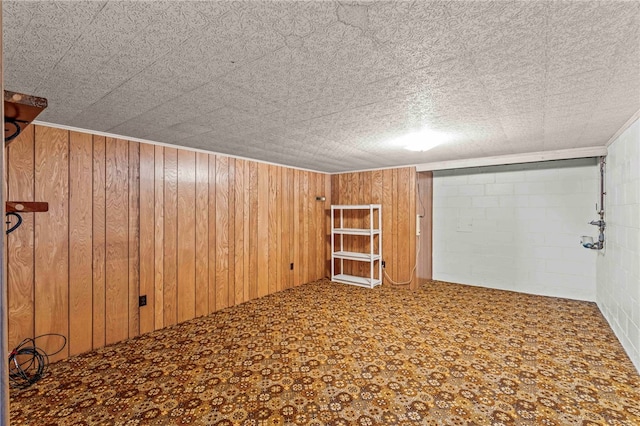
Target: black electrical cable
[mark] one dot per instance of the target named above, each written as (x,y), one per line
(17,225)
(28,363)
(16,128)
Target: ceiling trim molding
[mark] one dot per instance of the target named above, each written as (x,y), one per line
(624,127)
(168,145)
(531,157)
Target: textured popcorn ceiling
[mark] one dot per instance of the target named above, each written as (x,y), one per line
(326,85)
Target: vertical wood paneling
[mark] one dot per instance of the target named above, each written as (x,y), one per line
(4,302)
(263,229)
(279,234)
(365,180)
(253,230)
(231,233)
(376,198)
(405,244)
(186,237)
(117,240)
(80,245)
(247,271)
(350,197)
(328,190)
(158,208)
(147,244)
(304,216)
(285,235)
(238,229)
(394,189)
(52,238)
(202,234)
(410,176)
(134,238)
(387,220)
(394,223)
(320,228)
(336,198)
(310,198)
(222,232)
(193,232)
(297,227)
(170,276)
(212,233)
(424,208)
(99,241)
(20,254)
(272,245)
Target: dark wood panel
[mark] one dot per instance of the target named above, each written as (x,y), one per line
(134,238)
(253,229)
(212,233)
(304,217)
(52,238)
(117,241)
(263,229)
(80,244)
(285,234)
(222,232)
(159,237)
(328,190)
(310,201)
(238,229)
(170,263)
(231,265)
(246,199)
(202,234)
(387,221)
(406,245)
(20,247)
(424,208)
(297,229)
(186,237)
(99,241)
(147,243)
(273,236)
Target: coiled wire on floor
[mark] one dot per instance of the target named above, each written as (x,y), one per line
(28,363)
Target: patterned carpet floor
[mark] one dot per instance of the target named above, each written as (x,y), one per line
(332,354)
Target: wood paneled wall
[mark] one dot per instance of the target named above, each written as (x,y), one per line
(4,314)
(395,190)
(424,207)
(194,232)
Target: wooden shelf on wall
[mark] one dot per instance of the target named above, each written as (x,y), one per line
(19,111)
(26,206)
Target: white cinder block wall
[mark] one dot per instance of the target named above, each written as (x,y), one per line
(517,227)
(618,266)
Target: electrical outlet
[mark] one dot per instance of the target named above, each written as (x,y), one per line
(142,300)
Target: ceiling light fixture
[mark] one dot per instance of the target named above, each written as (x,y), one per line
(422,140)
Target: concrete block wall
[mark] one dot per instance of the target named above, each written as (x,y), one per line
(517,227)
(618,266)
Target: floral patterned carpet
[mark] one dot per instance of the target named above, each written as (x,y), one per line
(332,354)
